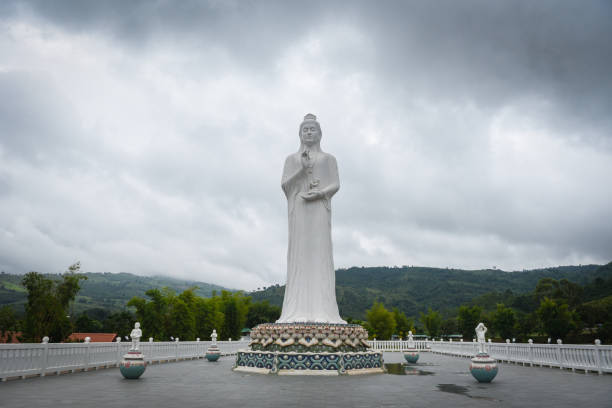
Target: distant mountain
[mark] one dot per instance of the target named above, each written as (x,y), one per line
(110,291)
(414,289)
(411,289)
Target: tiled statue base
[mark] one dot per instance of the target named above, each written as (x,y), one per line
(133,365)
(483,367)
(296,363)
(309,349)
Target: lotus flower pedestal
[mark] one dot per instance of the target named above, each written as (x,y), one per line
(309,349)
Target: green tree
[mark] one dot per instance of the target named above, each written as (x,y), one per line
(596,312)
(85,324)
(120,323)
(526,325)
(8,323)
(208,316)
(262,312)
(561,291)
(153,314)
(432,322)
(235,311)
(449,326)
(181,321)
(46,311)
(403,323)
(504,321)
(556,319)
(467,320)
(380,321)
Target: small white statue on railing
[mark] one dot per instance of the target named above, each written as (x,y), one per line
(480,335)
(410,339)
(135,335)
(213,336)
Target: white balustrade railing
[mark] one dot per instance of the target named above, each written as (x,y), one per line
(21,360)
(397,345)
(585,357)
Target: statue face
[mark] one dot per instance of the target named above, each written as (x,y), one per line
(310,134)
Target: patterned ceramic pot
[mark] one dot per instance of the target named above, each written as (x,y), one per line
(133,365)
(483,367)
(213,353)
(411,356)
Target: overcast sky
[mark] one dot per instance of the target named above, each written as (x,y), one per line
(149,136)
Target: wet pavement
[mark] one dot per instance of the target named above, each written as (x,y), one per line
(435,381)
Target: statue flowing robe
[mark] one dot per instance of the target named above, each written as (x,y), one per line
(310,294)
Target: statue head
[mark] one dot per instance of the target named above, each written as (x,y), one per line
(310,131)
(137,325)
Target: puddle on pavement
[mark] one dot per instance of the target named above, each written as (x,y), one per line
(404,369)
(453,388)
(458,389)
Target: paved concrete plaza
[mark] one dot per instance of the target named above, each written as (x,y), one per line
(437,381)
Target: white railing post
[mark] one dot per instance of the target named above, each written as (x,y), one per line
(508,350)
(176,349)
(559,356)
(530,352)
(45,356)
(118,342)
(87,350)
(596,350)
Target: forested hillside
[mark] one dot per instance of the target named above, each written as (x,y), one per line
(570,303)
(411,289)
(415,289)
(108,291)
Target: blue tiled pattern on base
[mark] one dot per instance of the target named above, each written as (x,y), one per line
(341,363)
(255,360)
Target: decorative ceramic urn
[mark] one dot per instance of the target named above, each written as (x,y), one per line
(483,367)
(213,353)
(411,355)
(133,365)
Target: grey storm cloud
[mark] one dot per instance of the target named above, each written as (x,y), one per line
(149,137)
(557,51)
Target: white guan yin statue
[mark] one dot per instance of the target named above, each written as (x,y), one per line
(310,179)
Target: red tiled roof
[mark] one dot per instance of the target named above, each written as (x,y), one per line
(95,337)
(10,335)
